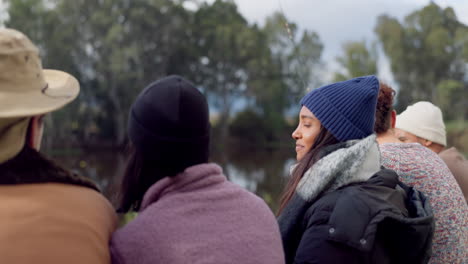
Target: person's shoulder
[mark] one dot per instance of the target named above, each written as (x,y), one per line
(345,214)
(451,154)
(407,153)
(83,201)
(366,195)
(390,152)
(249,198)
(92,202)
(81,194)
(319,211)
(352,196)
(403,147)
(245,202)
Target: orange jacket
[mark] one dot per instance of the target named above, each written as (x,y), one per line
(54,223)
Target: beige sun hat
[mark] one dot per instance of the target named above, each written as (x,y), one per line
(26,90)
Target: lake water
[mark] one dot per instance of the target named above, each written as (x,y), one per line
(261,172)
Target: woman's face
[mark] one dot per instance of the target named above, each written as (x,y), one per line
(306,132)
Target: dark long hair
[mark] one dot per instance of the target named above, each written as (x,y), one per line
(324,138)
(144,169)
(140,173)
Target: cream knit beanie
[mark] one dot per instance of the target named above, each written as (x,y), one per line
(423,119)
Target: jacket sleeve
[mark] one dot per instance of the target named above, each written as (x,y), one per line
(315,247)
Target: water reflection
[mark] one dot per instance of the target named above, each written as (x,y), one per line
(261,172)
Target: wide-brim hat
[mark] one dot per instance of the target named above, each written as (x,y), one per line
(25,88)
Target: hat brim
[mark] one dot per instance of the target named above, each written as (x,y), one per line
(61,89)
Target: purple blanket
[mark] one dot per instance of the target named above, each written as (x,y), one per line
(199,217)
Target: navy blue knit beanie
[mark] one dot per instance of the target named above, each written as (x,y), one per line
(169,123)
(346,109)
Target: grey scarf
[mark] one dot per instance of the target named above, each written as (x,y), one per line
(356,161)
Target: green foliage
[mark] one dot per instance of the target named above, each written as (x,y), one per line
(298,56)
(282,72)
(249,127)
(116,47)
(427,54)
(453,98)
(457,135)
(356,61)
(127,218)
(225,45)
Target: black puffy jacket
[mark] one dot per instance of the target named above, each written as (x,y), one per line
(377,221)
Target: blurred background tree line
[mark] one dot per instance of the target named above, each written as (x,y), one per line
(252,75)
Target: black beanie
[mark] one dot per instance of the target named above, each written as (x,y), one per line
(169,124)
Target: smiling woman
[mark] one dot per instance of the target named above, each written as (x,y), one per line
(309,141)
(336,207)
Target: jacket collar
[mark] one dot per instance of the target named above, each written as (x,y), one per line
(31,167)
(342,164)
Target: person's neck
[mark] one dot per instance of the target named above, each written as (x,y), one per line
(437,148)
(387,137)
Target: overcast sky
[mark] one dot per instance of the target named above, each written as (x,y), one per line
(339,21)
